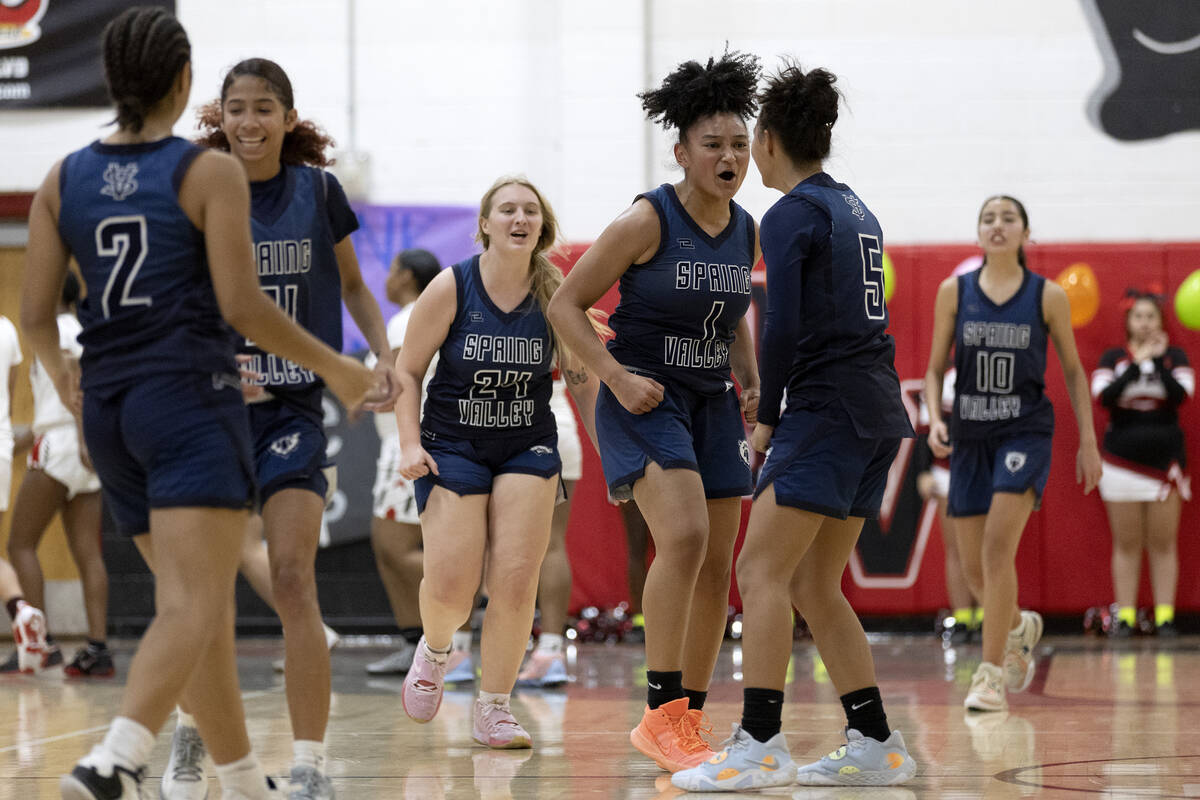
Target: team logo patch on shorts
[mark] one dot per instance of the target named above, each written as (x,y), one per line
(744,450)
(541,450)
(284,445)
(1014,461)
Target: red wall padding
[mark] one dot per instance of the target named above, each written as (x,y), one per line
(1063,560)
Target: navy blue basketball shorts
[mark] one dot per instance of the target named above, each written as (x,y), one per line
(176,440)
(469,466)
(822,465)
(289,450)
(981,467)
(687,430)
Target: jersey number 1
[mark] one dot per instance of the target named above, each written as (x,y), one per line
(124,239)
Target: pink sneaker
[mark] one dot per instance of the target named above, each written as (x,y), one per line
(29,633)
(422,695)
(544,670)
(496,728)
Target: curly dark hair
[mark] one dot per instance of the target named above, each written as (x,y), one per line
(800,109)
(144,49)
(694,91)
(304,145)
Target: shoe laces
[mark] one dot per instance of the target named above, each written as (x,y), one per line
(189,766)
(495,715)
(306,781)
(689,728)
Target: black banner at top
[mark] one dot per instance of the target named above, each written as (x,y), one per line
(50,51)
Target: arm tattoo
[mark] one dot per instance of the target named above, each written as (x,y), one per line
(576,377)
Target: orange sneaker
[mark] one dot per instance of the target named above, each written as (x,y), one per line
(670,736)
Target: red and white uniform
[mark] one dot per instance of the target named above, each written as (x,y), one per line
(1143,448)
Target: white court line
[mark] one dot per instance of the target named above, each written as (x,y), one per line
(86,731)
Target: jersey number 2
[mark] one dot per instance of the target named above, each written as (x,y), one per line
(872,264)
(124,239)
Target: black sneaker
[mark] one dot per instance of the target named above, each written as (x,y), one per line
(1121,630)
(90,663)
(1167,629)
(86,783)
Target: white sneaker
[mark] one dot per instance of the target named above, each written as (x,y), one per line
(1019,665)
(308,783)
(29,633)
(396,663)
(185,777)
(862,761)
(97,777)
(987,689)
(272,791)
(742,763)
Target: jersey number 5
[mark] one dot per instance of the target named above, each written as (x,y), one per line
(124,239)
(872,264)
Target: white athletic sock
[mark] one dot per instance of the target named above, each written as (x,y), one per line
(550,643)
(128,743)
(461,641)
(184,719)
(307,753)
(245,776)
(495,698)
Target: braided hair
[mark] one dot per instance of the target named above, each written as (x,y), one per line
(303,145)
(144,49)
(694,91)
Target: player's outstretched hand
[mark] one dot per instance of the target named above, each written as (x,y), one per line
(939,439)
(351,382)
(389,387)
(637,393)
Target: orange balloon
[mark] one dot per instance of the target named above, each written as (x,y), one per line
(1083,292)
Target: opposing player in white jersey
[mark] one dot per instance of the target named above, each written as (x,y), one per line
(59,479)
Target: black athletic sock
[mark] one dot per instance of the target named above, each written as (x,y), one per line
(11,606)
(864,713)
(695,698)
(663,687)
(412,635)
(762,711)
(97,645)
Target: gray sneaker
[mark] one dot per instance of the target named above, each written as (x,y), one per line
(397,663)
(306,783)
(861,761)
(185,778)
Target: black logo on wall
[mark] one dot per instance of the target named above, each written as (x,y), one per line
(50,51)
(1151,52)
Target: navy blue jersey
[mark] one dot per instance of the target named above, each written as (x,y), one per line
(678,311)
(150,305)
(1000,356)
(493,372)
(294,237)
(826,328)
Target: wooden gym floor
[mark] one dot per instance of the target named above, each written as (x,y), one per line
(1101,719)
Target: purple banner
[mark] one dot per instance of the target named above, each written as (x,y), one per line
(446,231)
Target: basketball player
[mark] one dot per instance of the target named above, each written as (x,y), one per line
(667,417)
(161,232)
